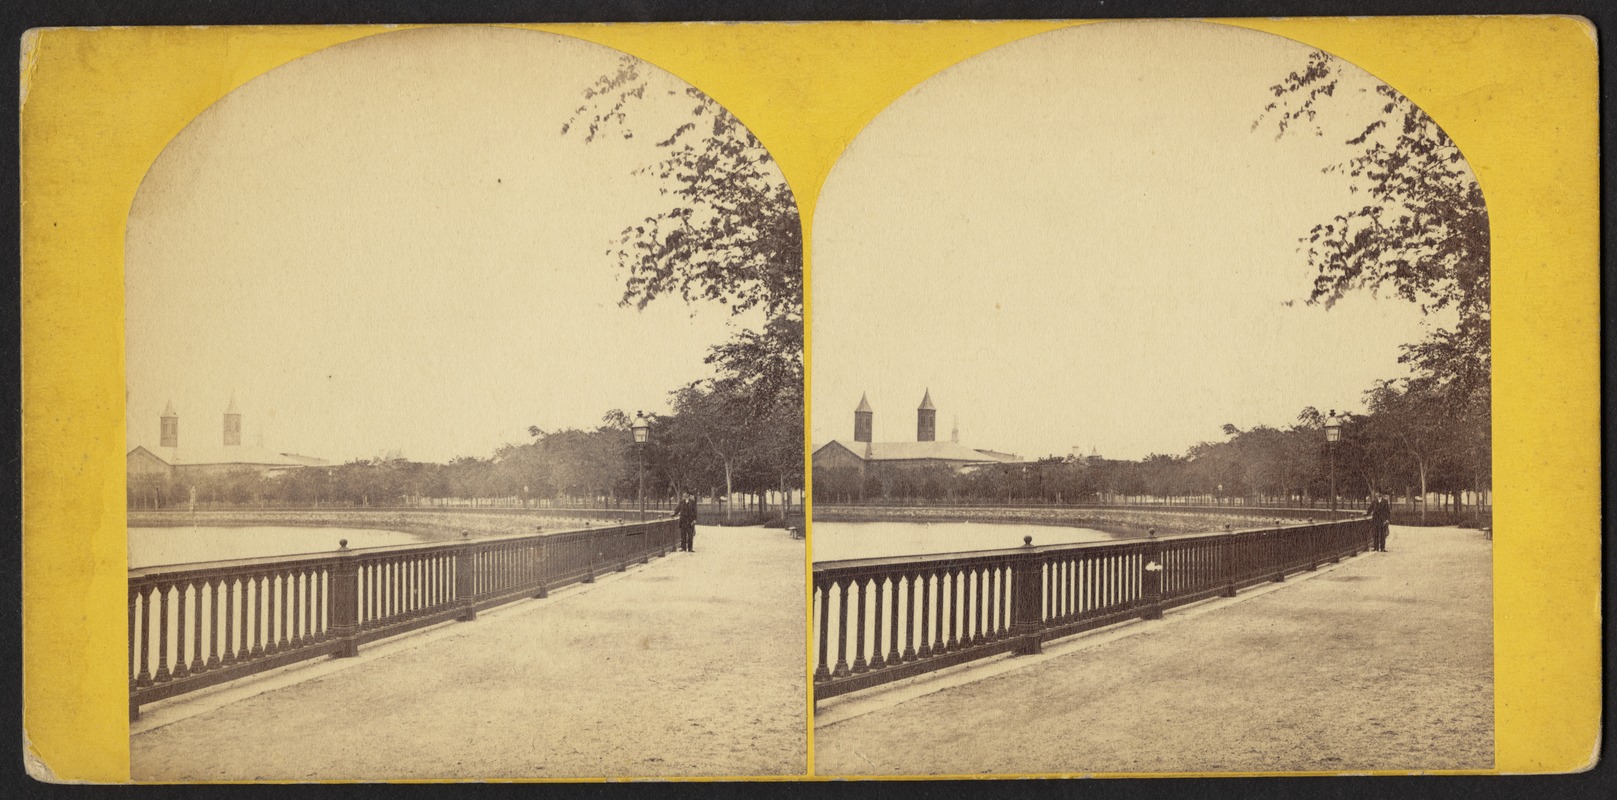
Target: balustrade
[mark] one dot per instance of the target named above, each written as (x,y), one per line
(197,625)
(952,608)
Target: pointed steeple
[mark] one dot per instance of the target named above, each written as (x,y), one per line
(926,420)
(169,432)
(232,423)
(863,418)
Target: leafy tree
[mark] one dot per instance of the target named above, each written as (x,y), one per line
(1410,414)
(1422,230)
(710,431)
(728,230)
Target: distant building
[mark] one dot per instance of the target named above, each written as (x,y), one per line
(862,454)
(170,459)
(171,427)
(863,419)
(926,420)
(232,424)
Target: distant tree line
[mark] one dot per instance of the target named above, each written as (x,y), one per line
(716,443)
(1264,465)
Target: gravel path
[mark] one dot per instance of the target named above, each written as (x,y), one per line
(1384,663)
(692,665)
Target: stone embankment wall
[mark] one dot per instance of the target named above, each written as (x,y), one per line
(1115,519)
(431,522)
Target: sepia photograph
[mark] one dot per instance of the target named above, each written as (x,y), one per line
(464,420)
(847,402)
(1152,419)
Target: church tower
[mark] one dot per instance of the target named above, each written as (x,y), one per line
(170,436)
(926,420)
(862,417)
(232,424)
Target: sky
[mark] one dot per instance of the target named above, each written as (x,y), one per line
(1079,240)
(389,247)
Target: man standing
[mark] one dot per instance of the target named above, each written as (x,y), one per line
(1381,514)
(679,517)
(687,524)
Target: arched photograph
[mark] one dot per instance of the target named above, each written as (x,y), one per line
(1152,419)
(464,407)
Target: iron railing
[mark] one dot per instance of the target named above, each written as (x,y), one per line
(886,619)
(197,625)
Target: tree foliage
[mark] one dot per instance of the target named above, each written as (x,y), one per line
(1422,229)
(728,229)
(1422,233)
(1405,446)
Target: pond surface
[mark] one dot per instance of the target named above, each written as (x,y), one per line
(158,546)
(834,541)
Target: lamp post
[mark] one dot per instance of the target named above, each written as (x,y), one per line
(642,431)
(1333,434)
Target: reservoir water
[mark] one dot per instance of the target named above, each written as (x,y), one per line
(149,547)
(834,541)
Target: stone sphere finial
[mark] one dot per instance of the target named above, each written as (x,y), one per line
(342,544)
(1027,541)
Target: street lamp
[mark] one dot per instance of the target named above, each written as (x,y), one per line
(1333,434)
(642,432)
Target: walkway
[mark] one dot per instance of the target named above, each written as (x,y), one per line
(1384,662)
(690,665)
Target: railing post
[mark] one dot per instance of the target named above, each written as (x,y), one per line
(821,672)
(542,568)
(143,676)
(841,668)
(344,598)
(1277,552)
(134,707)
(859,663)
(1027,615)
(466,579)
(1230,563)
(1151,581)
(1311,542)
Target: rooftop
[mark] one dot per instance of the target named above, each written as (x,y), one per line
(915,451)
(235,454)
